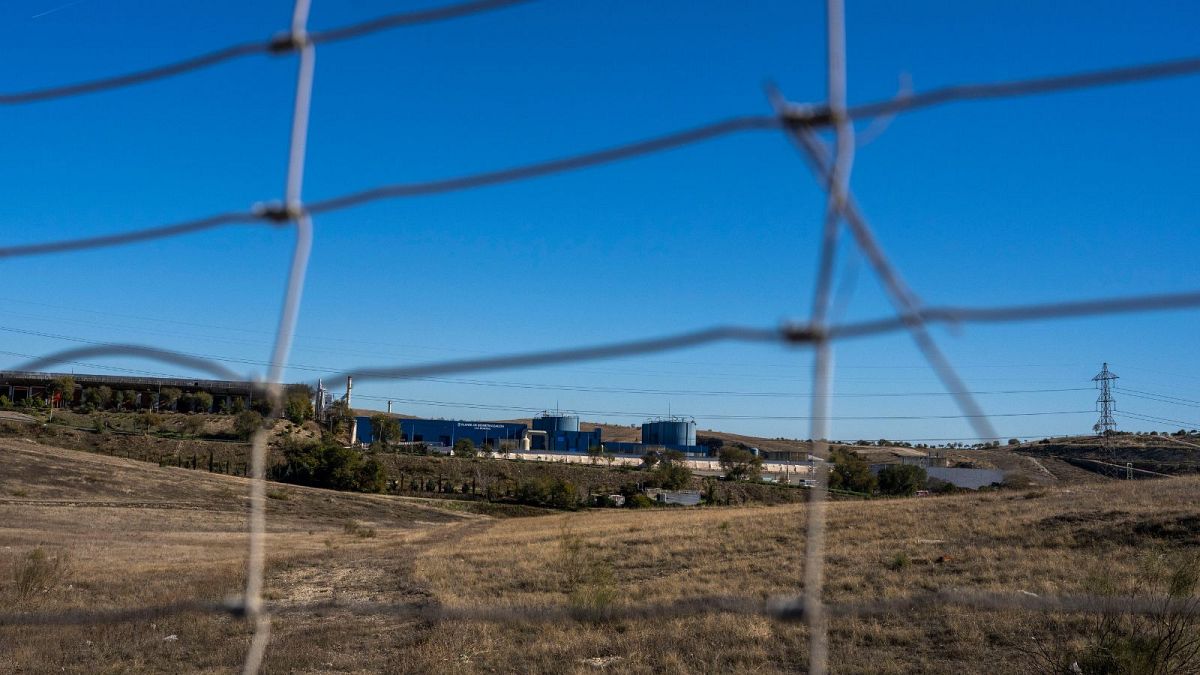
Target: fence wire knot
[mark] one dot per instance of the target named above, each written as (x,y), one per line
(288,41)
(803,333)
(278,213)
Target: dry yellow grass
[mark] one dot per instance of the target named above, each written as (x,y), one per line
(140,534)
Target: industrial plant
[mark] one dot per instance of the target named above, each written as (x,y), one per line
(549,432)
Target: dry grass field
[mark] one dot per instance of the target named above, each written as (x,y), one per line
(132,534)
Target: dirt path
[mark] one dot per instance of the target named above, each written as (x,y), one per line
(1042,467)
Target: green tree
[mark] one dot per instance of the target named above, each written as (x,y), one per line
(371,476)
(850,472)
(340,417)
(672,476)
(168,397)
(62,387)
(386,429)
(95,397)
(202,402)
(901,480)
(246,423)
(739,463)
(463,447)
(298,407)
(330,465)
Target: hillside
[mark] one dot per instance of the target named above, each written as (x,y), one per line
(137,535)
(1175,455)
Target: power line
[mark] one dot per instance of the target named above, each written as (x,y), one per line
(1161,420)
(711,416)
(1162,397)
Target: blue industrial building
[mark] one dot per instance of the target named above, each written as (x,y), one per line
(560,433)
(448,432)
(551,432)
(672,433)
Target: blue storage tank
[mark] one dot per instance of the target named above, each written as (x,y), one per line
(669,432)
(554,423)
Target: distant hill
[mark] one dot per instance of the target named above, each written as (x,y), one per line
(1176,454)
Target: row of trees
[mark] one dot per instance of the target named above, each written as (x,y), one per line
(298,405)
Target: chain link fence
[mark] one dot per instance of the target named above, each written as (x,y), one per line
(831,163)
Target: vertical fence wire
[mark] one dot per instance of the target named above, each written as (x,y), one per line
(293,210)
(836,190)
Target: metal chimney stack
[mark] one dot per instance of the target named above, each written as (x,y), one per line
(350,411)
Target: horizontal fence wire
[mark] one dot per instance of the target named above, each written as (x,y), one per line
(790,334)
(280,43)
(831,165)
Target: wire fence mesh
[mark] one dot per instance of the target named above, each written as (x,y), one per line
(831,164)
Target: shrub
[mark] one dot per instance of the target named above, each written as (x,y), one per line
(38,573)
(588,580)
(671,476)
(1164,641)
(146,421)
(639,501)
(850,472)
(358,529)
(246,423)
(901,480)
(942,487)
(193,426)
(328,465)
(739,463)
(463,447)
(552,492)
(899,562)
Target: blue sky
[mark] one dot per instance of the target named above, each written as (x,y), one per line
(1070,196)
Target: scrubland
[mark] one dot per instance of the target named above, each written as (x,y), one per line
(86,531)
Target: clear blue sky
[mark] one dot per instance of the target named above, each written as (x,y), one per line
(1059,197)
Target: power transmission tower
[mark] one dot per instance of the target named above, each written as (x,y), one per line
(1106,403)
